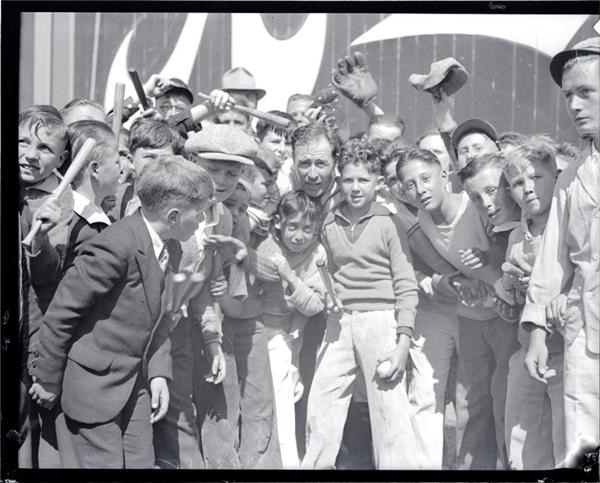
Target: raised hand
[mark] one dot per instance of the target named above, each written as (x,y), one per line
(353,79)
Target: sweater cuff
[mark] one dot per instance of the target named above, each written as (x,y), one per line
(405,317)
(403,329)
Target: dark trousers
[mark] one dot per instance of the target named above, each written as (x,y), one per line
(176,436)
(237,417)
(123,442)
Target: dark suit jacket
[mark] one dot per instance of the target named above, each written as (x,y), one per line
(101,326)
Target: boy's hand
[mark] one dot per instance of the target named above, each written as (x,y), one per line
(353,79)
(473,258)
(216,359)
(152,113)
(442,286)
(442,110)
(283,267)
(221,100)
(228,243)
(397,359)
(159,393)
(219,287)
(426,285)
(537,356)
(556,311)
(49,214)
(517,275)
(156,86)
(45,396)
(313,114)
(334,310)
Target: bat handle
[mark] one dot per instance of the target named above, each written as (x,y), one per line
(28,240)
(118,108)
(139,89)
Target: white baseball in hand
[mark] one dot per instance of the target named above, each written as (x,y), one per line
(383,369)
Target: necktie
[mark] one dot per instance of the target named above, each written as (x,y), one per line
(163,258)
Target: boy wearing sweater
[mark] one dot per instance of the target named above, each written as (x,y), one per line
(371,329)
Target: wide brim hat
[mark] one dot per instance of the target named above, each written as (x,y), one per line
(239,79)
(178,84)
(222,143)
(447,74)
(471,126)
(589,46)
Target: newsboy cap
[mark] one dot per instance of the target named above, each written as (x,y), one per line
(224,143)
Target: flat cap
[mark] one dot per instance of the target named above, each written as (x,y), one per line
(222,142)
(589,46)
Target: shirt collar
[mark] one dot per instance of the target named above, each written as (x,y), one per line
(157,241)
(508,226)
(47,185)
(88,210)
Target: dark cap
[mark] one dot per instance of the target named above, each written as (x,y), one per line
(589,46)
(471,126)
(176,84)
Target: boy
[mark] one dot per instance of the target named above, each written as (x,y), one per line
(101,344)
(452,224)
(569,250)
(293,245)
(385,126)
(534,409)
(82,110)
(225,153)
(42,149)
(237,205)
(377,309)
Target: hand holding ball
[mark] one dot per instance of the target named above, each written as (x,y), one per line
(384,369)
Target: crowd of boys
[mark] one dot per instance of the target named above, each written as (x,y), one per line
(339,283)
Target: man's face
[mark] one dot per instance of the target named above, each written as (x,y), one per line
(472,146)
(423,184)
(315,166)
(172,103)
(188,219)
(109,171)
(235,119)
(224,174)
(84,113)
(490,197)
(358,186)
(383,131)
(298,232)
(580,88)
(125,159)
(40,151)
(297,109)
(237,204)
(141,156)
(435,144)
(278,145)
(532,186)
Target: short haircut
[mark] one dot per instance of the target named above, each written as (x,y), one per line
(568,150)
(82,101)
(298,202)
(153,134)
(311,132)
(475,166)
(584,59)
(300,97)
(511,138)
(394,148)
(406,156)
(358,152)
(539,148)
(387,120)
(79,131)
(45,116)
(172,182)
(263,127)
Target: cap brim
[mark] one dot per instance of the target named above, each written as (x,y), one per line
(260,93)
(559,60)
(470,126)
(226,157)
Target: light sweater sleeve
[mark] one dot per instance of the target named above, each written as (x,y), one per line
(309,294)
(403,278)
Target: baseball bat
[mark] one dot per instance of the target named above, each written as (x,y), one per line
(326,278)
(118,108)
(265,116)
(139,88)
(69,176)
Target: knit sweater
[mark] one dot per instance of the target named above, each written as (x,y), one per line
(371,271)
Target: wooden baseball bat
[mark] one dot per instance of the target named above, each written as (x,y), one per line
(139,88)
(326,278)
(265,116)
(118,108)
(69,176)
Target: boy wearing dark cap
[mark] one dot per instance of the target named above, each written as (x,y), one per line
(473,138)
(568,260)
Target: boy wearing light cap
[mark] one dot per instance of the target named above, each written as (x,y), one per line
(569,256)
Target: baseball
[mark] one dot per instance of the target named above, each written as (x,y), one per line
(383,369)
